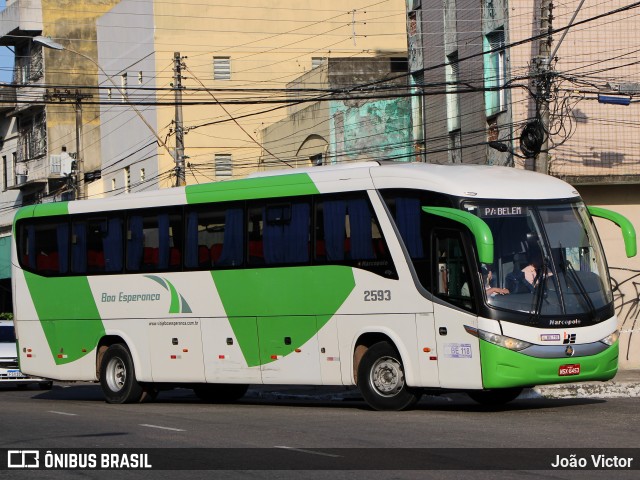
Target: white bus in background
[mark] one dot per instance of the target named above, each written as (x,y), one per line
(391,277)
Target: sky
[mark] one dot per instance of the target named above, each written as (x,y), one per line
(6,58)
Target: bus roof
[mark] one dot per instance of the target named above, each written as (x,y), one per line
(473,181)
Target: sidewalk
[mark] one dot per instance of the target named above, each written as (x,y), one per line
(625,384)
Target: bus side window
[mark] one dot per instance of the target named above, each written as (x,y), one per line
(347,232)
(286,233)
(214,236)
(154,241)
(452,280)
(45,247)
(96,245)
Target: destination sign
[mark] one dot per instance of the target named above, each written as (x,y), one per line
(493,212)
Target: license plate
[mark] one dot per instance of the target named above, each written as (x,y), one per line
(566,370)
(14,373)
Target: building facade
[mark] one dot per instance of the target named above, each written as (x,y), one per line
(362,126)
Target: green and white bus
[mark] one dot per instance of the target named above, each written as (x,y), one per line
(391,277)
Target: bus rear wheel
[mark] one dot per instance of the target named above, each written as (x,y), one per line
(381,379)
(220,392)
(496,397)
(117,376)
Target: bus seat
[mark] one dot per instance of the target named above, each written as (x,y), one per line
(95,260)
(216,251)
(203,256)
(174,257)
(255,249)
(47,262)
(150,257)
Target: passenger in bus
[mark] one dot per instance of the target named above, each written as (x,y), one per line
(489,282)
(532,270)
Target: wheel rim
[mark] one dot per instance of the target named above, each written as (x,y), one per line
(387,377)
(116,374)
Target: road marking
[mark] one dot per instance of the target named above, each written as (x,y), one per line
(162,428)
(308,451)
(64,413)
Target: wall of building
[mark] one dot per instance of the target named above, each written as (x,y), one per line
(460,26)
(125,35)
(625,272)
(73,24)
(591,138)
(269,46)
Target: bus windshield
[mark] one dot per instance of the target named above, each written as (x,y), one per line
(547,260)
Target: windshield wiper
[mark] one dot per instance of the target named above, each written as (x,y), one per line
(541,284)
(580,285)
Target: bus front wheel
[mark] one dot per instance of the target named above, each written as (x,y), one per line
(117,376)
(381,379)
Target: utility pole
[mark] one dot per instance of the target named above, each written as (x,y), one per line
(177,87)
(543,83)
(77,97)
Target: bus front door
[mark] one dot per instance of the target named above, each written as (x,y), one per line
(458,350)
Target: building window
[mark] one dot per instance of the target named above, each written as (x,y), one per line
(453,104)
(455,146)
(28,63)
(495,68)
(5,179)
(222,68)
(224,167)
(123,86)
(32,140)
(113,184)
(127,179)
(142,175)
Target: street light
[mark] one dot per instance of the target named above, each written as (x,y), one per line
(49,43)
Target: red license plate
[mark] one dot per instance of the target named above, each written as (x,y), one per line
(565,370)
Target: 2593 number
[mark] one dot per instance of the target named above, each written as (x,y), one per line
(377,295)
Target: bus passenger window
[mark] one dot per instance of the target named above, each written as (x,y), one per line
(347,232)
(279,233)
(96,245)
(45,248)
(154,242)
(214,237)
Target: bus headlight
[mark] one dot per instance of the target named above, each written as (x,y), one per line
(502,341)
(611,339)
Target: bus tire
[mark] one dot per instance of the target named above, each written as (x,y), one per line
(220,392)
(118,377)
(381,379)
(497,397)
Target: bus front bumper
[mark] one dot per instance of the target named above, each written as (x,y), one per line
(504,368)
